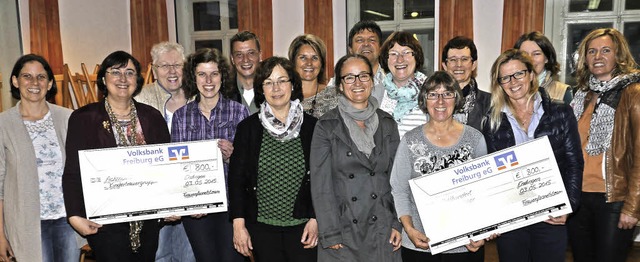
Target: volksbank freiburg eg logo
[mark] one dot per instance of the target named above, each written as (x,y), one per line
(178,152)
(505,160)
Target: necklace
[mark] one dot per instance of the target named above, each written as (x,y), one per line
(313,102)
(124,138)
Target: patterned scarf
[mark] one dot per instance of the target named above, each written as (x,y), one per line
(282,131)
(406,96)
(601,125)
(128,135)
(469,102)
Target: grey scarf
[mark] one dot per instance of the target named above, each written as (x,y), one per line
(362,138)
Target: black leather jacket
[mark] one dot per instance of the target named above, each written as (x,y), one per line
(558,123)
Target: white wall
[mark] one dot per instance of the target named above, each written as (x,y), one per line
(288,22)
(340,31)
(10,47)
(487,35)
(91,30)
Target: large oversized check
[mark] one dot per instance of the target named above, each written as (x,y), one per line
(499,192)
(152,181)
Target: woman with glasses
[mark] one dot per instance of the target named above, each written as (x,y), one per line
(545,64)
(401,56)
(33,224)
(520,112)
(309,53)
(351,156)
(269,186)
(209,116)
(440,143)
(608,112)
(116,121)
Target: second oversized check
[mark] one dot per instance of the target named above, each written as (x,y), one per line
(152,181)
(499,192)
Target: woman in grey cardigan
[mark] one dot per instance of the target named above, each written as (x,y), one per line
(440,143)
(351,157)
(33,222)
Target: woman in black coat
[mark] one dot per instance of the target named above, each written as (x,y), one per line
(520,112)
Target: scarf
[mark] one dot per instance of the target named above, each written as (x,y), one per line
(363,138)
(128,136)
(542,77)
(469,102)
(405,96)
(601,125)
(282,131)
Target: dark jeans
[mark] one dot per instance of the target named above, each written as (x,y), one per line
(274,243)
(410,255)
(58,241)
(112,243)
(538,242)
(211,238)
(593,230)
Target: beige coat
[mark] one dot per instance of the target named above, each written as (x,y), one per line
(19,186)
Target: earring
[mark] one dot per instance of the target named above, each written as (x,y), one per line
(103,81)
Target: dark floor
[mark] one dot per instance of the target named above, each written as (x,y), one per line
(491,253)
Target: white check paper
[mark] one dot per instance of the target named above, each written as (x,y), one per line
(153,181)
(499,192)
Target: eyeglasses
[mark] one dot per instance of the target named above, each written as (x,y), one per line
(395,55)
(169,67)
(436,96)
(363,77)
(251,55)
(517,75)
(270,84)
(455,60)
(37,78)
(129,74)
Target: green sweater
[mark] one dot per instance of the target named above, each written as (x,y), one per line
(280,171)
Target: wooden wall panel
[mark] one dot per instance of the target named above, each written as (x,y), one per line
(519,17)
(148,27)
(257,16)
(318,20)
(44,30)
(456,19)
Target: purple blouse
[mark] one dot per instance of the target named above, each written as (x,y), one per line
(190,125)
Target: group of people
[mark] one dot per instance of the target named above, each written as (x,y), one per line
(317,169)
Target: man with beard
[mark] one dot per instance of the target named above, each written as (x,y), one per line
(459,58)
(245,56)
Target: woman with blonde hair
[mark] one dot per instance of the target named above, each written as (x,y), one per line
(520,112)
(606,106)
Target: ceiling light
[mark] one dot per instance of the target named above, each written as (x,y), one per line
(376,13)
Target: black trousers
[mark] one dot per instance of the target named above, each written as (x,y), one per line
(593,230)
(540,242)
(112,244)
(409,255)
(274,243)
(211,238)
